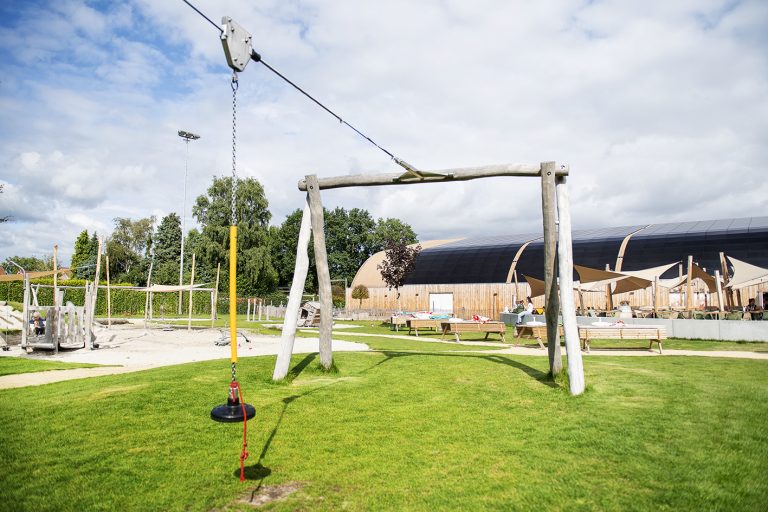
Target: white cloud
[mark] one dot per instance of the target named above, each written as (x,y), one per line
(660,108)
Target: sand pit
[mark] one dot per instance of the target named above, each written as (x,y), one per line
(131,348)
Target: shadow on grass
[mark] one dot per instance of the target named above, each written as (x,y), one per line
(538,375)
(296,370)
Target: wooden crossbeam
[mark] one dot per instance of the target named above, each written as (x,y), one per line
(461,174)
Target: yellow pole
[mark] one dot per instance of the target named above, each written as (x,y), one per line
(233,291)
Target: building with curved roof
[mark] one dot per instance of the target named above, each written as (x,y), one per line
(461,266)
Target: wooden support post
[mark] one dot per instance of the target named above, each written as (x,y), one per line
(565,268)
(323,273)
(147,302)
(109,293)
(261,304)
(608,295)
(294,298)
(191,283)
(55,274)
(728,290)
(656,297)
(96,283)
(215,310)
(720,305)
(551,302)
(25,313)
(248,309)
(688,287)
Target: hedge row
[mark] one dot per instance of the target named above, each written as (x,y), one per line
(128,302)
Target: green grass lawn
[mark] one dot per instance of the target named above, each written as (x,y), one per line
(678,344)
(396,431)
(14,365)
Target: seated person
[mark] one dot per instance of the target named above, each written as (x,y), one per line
(753,308)
(37,323)
(519,308)
(527,315)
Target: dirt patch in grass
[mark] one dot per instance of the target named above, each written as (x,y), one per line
(269,493)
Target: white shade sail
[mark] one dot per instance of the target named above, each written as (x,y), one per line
(745,274)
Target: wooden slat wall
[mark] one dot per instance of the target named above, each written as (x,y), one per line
(490,299)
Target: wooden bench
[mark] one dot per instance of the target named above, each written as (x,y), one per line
(457,328)
(396,321)
(538,332)
(653,333)
(414,324)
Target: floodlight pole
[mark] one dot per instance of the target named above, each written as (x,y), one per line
(186,136)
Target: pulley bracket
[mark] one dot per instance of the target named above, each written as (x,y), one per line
(237,44)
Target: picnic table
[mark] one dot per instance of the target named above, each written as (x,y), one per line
(538,332)
(653,333)
(414,324)
(457,328)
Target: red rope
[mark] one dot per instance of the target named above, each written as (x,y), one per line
(244,453)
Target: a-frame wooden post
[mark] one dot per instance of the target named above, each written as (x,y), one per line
(323,273)
(294,299)
(565,270)
(548,172)
(551,300)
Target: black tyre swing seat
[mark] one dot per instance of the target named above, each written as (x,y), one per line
(232,412)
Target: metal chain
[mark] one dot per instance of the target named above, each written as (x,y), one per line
(233,218)
(234,372)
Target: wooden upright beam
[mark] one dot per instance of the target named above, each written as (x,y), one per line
(294,299)
(323,273)
(55,275)
(565,269)
(688,287)
(551,302)
(445,175)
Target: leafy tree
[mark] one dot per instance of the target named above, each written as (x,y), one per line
(360,292)
(391,229)
(168,240)
(28,263)
(81,255)
(255,271)
(351,238)
(167,247)
(399,261)
(348,240)
(284,240)
(128,248)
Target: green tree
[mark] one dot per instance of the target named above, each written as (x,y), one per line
(128,247)
(255,271)
(167,251)
(28,263)
(351,238)
(348,237)
(168,239)
(391,229)
(360,292)
(80,255)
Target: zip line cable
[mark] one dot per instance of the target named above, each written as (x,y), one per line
(204,16)
(257,58)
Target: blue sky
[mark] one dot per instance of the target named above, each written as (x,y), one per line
(660,108)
